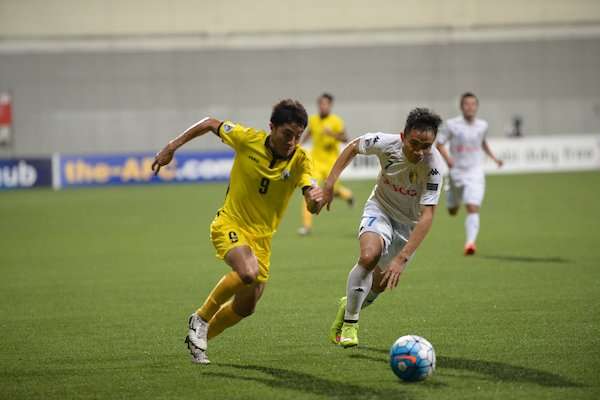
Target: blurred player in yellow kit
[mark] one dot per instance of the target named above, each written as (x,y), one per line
(327,131)
(266,170)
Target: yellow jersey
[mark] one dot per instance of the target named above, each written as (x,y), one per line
(260,184)
(325,148)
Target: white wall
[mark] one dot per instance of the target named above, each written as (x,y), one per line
(89,102)
(35,18)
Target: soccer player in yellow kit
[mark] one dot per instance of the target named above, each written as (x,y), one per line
(327,132)
(266,170)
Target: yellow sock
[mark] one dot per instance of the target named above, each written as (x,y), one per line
(223,291)
(223,319)
(343,192)
(306,216)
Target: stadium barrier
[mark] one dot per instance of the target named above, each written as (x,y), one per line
(522,155)
(23,173)
(136,169)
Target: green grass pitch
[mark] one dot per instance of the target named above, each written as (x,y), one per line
(96,286)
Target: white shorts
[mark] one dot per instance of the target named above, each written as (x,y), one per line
(394,234)
(467,192)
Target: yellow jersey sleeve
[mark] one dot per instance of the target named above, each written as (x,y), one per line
(233,135)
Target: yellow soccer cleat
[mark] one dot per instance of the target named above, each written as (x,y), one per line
(349,337)
(336,327)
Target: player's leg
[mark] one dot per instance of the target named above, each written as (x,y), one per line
(360,278)
(400,236)
(307,220)
(473,197)
(376,287)
(245,270)
(375,231)
(453,197)
(241,306)
(471,228)
(359,284)
(244,267)
(343,193)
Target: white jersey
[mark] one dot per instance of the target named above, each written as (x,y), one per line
(465,140)
(402,187)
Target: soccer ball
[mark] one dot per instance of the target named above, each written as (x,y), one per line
(412,358)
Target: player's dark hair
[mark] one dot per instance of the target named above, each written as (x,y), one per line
(422,119)
(466,95)
(289,111)
(327,96)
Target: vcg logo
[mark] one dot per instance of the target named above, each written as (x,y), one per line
(19,174)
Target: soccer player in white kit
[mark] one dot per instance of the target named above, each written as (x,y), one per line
(466,136)
(396,217)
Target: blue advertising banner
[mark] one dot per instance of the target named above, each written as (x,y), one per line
(133,169)
(23,173)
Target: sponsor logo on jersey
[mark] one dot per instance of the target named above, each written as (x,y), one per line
(433,172)
(227,128)
(465,148)
(401,189)
(432,186)
(412,176)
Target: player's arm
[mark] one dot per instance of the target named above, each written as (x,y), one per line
(444,153)
(488,151)
(398,263)
(342,136)
(344,159)
(339,136)
(203,126)
(444,136)
(305,136)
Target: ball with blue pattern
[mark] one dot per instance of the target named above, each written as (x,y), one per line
(412,358)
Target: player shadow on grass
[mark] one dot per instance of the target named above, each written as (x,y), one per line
(302,382)
(528,259)
(494,370)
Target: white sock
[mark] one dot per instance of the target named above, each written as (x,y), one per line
(472,227)
(359,285)
(370,299)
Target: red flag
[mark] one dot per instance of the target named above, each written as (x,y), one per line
(5,110)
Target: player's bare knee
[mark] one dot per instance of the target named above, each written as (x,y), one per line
(248,275)
(369,258)
(248,272)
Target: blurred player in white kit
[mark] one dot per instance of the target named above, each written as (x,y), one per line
(466,137)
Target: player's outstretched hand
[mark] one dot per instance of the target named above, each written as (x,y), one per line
(392,274)
(315,199)
(162,158)
(500,163)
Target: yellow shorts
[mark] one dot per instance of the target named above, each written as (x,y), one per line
(226,234)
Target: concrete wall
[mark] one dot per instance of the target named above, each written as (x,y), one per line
(128,101)
(42,18)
